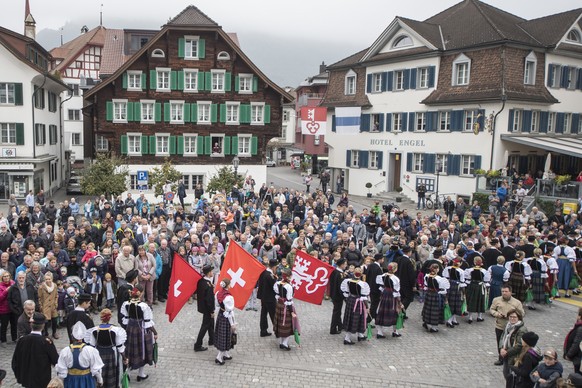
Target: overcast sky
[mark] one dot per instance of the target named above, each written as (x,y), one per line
(287,40)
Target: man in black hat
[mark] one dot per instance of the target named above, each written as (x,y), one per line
(34,356)
(267,296)
(337,296)
(79,314)
(124,291)
(372,272)
(407,275)
(205,293)
(509,250)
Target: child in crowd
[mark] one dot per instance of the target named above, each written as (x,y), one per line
(62,293)
(70,302)
(94,287)
(109,291)
(282,266)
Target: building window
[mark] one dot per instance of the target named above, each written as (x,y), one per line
(316,140)
(516,126)
(421,121)
(162,144)
(245,83)
(190,80)
(218,80)
(191,47)
(223,56)
(74,114)
(442,160)
(6,93)
(355,159)
(555,76)
(134,144)
(470,119)
(571,82)
(134,80)
(120,111)
(147,111)
(375,122)
(133,183)
(101,143)
(177,112)
(402,41)
(373,159)
(397,121)
(203,112)
(399,80)
(74,89)
(158,53)
(461,70)
(350,86)
(257,113)
(535,121)
(163,80)
(580,123)
(567,122)
(217,142)
(377,83)
(52,134)
(52,102)
(8,133)
(285,115)
(76,139)
(418,162)
(467,164)
(232,113)
(40,134)
(38,97)
(574,36)
(445,121)
(529,76)
(190,144)
(422,74)
(244,145)
(551,122)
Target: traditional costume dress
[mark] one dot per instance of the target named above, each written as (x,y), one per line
(109,340)
(432,310)
(356,292)
(224,326)
(79,364)
(565,257)
(477,280)
(520,275)
(456,278)
(138,318)
(553,269)
(389,306)
(283,326)
(499,276)
(539,276)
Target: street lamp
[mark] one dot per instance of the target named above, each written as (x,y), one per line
(439,165)
(235,164)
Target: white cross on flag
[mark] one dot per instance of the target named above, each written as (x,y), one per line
(243,270)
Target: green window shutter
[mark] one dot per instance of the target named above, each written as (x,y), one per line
(172,145)
(19,134)
(137,111)
(200,81)
(245,114)
(222,113)
(234,145)
(226,145)
(254,145)
(153,82)
(158,112)
(207,145)
(227,82)
(180,145)
(144,145)
(236,83)
(267,114)
(187,117)
(173,80)
(152,145)
(200,145)
(213,113)
(109,110)
(124,80)
(123,144)
(181,80)
(129,110)
(143,81)
(181,47)
(194,113)
(167,112)
(17,94)
(201,48)
(207,81)
(255,84)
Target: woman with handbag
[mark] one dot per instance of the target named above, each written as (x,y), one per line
(225,335)
(510,343)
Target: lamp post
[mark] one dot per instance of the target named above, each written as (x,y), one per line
(439,165)
(235,164)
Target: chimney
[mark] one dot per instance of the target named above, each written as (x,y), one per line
(322,67)
(29,22)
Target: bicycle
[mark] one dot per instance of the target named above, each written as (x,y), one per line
(432,199)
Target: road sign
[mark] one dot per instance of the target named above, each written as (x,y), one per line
(142,178)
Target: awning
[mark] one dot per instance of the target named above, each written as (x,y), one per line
(560,144)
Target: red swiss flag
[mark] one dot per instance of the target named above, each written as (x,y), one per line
(310,278)
(183,284)
(243,270)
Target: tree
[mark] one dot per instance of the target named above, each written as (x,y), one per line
(107,175)
(223,180)
(163,174)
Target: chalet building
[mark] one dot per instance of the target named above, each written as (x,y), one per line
(31,152)
(472,87)
(189,94)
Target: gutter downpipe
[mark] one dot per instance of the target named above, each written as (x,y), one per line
(503,99)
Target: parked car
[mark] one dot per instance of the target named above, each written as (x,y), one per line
(271,163)
(74,185)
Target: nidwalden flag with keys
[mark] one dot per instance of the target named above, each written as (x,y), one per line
(183,283)
(243,270)
(310,278)
(313,120)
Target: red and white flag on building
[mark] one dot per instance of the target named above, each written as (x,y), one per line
(313,120)
(243,270)
(183,283)
(310,278)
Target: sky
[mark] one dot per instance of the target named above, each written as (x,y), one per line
(286,40)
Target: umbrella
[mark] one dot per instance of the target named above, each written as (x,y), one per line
(548,164)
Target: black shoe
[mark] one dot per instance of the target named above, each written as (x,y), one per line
(266,334)
(140,378)
(557,296)
(346,342)
(450,325)
(425,326)
(576,292)
(531,308)
(405,316)
(432,330)
(482,319)
(226,358)
(469,321)
(396,335)
(455,323)
(200,349)
(568,296)
(217,361)
(361,339)
(380,336)
(498,363)
(334,332)
(283,347)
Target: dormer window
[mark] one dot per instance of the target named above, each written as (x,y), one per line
(350,83)
(402,41)
(158,53)
(461,70)
(529,71)
(574,36)
(223,56)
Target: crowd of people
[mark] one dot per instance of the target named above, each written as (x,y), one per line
(69,262)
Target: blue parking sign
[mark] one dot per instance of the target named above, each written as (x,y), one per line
(142,178)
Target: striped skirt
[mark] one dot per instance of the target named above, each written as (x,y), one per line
(432,309)
(538,288)
(112,368)
(283,326)
(476,297)
(222,333)
(455,297)
(355,315)
(140,345)
(517,283)
(387,311)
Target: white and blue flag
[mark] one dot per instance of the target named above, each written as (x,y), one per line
(347,120)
